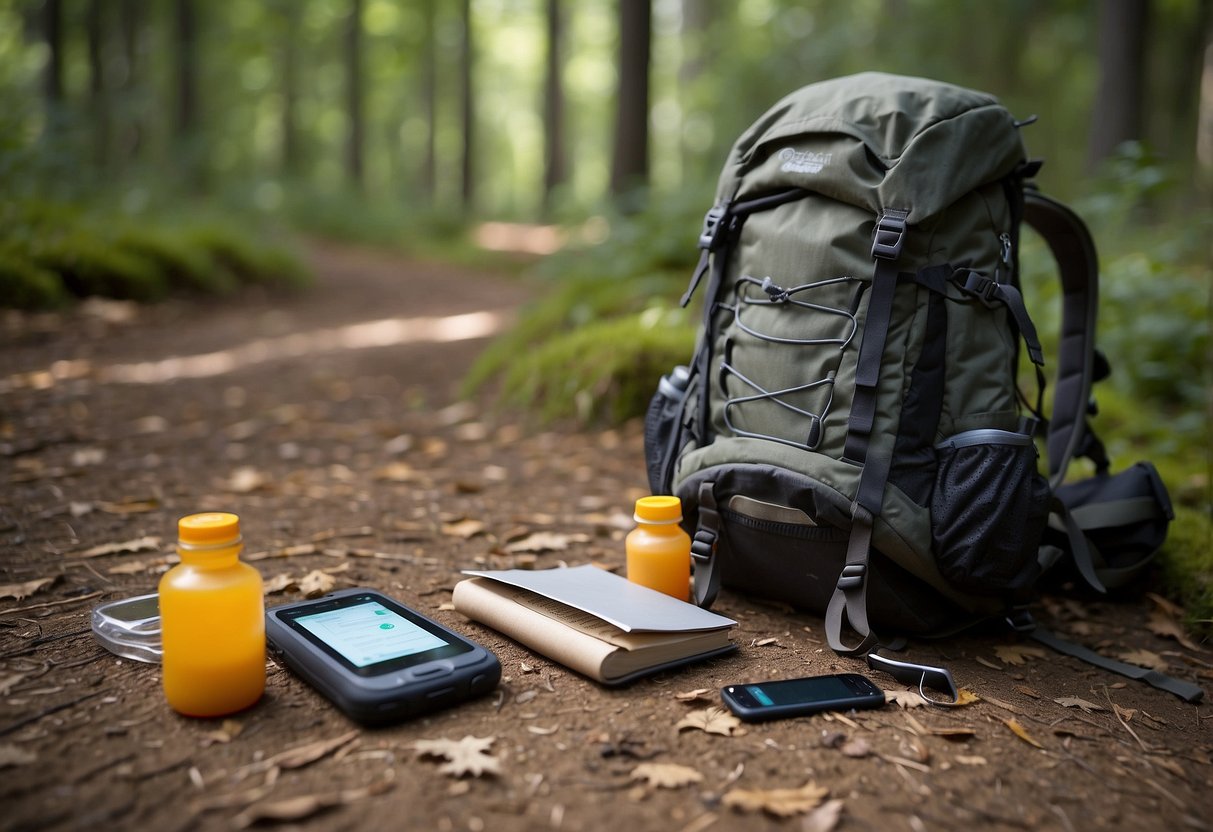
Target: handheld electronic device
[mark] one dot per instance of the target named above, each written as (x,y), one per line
(376,659)
(795,697)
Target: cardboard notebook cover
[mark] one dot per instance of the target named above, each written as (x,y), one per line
(592,621)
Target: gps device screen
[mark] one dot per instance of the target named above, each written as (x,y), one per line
(791,691)
(370,634)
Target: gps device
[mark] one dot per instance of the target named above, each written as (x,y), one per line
(376,659)
(795,697)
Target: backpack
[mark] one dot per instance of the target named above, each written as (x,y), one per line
(850,437)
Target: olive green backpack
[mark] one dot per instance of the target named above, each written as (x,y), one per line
(849,436)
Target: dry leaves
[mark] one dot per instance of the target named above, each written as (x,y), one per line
(666,775)
(693,695)
(316,583)
(303,755)
(824,818)
(1144,658)
(1075,702)
(712,720)
(466,756)
(25,590)
(304,806)
(1018,730)
(538,542)
(904,698)
(1166,620)
(1018,654)
(139,544)
(782,803)
(465,529)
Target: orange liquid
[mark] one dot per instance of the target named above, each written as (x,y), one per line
(659,557)
(212,619)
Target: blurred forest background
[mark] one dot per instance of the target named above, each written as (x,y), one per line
(141,140)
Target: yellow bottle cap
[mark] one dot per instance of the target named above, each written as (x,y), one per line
(658,510)
(212,528)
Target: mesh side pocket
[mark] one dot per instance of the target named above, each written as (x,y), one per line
(663,427)
(988,511)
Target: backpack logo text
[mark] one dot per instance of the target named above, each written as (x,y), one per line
(803,161)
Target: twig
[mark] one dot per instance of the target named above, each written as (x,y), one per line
(1119,719)
(51,604)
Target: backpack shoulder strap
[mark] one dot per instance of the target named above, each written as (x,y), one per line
(1071,244)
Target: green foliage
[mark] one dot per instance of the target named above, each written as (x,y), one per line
(603,372)
(52,251)
(1187,566)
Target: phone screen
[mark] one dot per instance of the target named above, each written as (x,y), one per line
(796,691)
(369,633)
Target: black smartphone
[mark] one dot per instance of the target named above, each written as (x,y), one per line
(795,697)
(376,659)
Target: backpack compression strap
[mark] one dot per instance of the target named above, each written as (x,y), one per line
(1070,242)
(848,605)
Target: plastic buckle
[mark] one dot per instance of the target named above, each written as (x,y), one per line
(703,546)
(889,236)
(711,236)
(981,286)
(1021,621)
(852,576)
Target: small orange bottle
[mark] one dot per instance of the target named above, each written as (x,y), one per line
(212,620)
(659,551)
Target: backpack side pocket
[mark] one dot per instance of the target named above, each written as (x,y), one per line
(663,428)
(988,511)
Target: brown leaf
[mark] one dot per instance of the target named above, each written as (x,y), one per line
(465,528)
(1027,691)
(904,698)
(763,642)
(782,803)
(712,720)
(279,583)
(1021,732)
(1144,658)
(304,806)
(229,731)
(25,590)
(1075,702)
(139,544)
(824,818)
(316,583)
(538,542)
(1017,654)
(12,756)
(466,756)
(1163,624)
(303,755)
(666,775)
(964,696)
(693,695)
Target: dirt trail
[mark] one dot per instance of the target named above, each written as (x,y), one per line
(328,421)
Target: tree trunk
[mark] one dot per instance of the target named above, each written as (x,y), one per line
(130,134)
(429,95)
(291,161)
(630,159)
(356,127)
(1119,98)
(466,63)
(187,70)
(555,162)
(52,77)
(98,92)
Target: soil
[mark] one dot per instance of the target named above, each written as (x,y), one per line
(329,420)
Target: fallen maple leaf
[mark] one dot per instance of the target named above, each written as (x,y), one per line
(1075,702)
(544,542)
(25,590)
(666,775)
(466,756)
(1017,654)
(711,720)
(1018,730)
(782,803)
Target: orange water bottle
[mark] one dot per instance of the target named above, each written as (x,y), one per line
(212,620)
(659,551)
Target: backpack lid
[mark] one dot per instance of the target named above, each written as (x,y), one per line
(877,141)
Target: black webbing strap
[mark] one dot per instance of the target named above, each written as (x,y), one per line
(1081,548)
(1072,247)
(703,548)
(848,604)
(1184,690)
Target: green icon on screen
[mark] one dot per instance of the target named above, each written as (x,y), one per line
(380,612)
(386,626)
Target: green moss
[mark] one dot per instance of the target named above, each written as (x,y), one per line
(24,285)
(248,259)
(1187,566)
(183,263)
(604,372)
(90,265)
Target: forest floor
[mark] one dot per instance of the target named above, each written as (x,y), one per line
(329,421)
